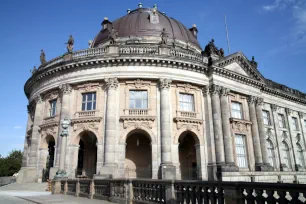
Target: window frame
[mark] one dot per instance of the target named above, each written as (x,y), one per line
(93,101)
(286,155)
(281,121)
(267,118)
(295,124)
(52,108)
(142,99)
(241,110)
(271,153)
(186,102)
(241,158)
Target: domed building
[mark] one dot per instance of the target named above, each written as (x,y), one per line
(147,101)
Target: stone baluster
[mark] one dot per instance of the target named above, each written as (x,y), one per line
(227,136)
(255,134)
(110,126)
(218,132)
(38,117)
(262,135)
(65,90)
(165,125)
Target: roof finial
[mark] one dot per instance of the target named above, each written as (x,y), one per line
(128,11)
(105,18)
(155,6)
(194,25)
(140,5)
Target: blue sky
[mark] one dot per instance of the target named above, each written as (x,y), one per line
(274,31)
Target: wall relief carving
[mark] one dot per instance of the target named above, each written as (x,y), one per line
(189,124)
(88,86)
(240,126)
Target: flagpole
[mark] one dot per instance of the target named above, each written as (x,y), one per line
(227,38)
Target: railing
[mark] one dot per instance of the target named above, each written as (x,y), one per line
(186,192)
(90,52)
(139,112)
(186,54)
(83,114)
(186,114)
(138,50)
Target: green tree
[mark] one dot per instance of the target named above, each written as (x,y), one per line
(10,164)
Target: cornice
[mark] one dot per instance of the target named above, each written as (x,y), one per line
(138,118)
(86,120)
(188,120)
(49,124)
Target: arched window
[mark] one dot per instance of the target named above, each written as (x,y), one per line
(271,153)
(286,155)
(300,156)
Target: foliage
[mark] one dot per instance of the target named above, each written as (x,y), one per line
(10,164)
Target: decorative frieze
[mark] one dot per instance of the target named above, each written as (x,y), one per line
(240,126)
(111,83)
(137,121)
(88,86)
(49,130)
(51,95)
(138,83)
(301,115)
(188,123)
(165,83)
(65,89)
(187,88)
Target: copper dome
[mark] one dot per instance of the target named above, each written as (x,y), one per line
(137,24)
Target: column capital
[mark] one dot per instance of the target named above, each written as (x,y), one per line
(205,90)
(38,99)
(111,83)
(65,88)
(274,107)
(224,91)
(252,99)
(288,111)
(301,114)
(164,83)
(259,102)
(214,89)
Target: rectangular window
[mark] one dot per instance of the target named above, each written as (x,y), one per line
(281,121)
(295,123)
(88,101)
(271,154)
(237,110)
(52,111)
(186,102)
(266,117)
(138,99)
(241,151)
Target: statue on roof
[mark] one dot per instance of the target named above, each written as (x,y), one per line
(43,57)
(70,44)
(253,62)
(164,37)
(34,70)
(113,34)
(211,49)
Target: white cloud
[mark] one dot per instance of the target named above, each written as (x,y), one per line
(279,4)
(17,127)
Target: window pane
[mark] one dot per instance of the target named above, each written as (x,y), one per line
(236,110)
(138,99)
(89,106)
(145,104)
(83,97)
(241,150)
(132,104)
(94,106)
(138,103)
(94,96)
(83,106)
(186,102)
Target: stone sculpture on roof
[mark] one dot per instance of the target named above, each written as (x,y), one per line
(70,44)
(211,49)
(164,37)
(42,57)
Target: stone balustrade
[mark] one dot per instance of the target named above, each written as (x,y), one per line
(186,114)
(83,114)
(136,112)
(182,192)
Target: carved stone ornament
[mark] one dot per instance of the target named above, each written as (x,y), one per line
(38,99)
(187,88)
(51,95)
(139,84)
(86,126)
(240,126)
(137,124)
(70,44)
(65,88)
(154,18)
(252,99)
(189,124)
(88,86)
(224,91)
(65,125)
(298,138)
(302,115)
(214,89)
(49,131)
(274,107)
(259,102)
(165,83)
(164,37)
(111,83)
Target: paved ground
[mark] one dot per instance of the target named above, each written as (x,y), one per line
(36,193)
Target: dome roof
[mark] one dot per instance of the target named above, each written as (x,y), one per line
(137,23)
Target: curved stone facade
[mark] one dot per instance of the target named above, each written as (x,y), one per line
(162,109)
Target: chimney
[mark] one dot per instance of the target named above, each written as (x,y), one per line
(194,30)
(106,24)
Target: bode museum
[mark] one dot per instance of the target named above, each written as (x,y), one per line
(146,100)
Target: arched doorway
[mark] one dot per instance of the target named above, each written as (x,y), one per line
(47,156)
(188,154)
(87,155)
(138,155)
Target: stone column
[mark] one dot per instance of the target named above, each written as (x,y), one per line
(227,136)
(167,168)
(218,132)
(262,135)
(65,90)
(25,153)
(255,134)
(110,126)
(38,117)
(292,135)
